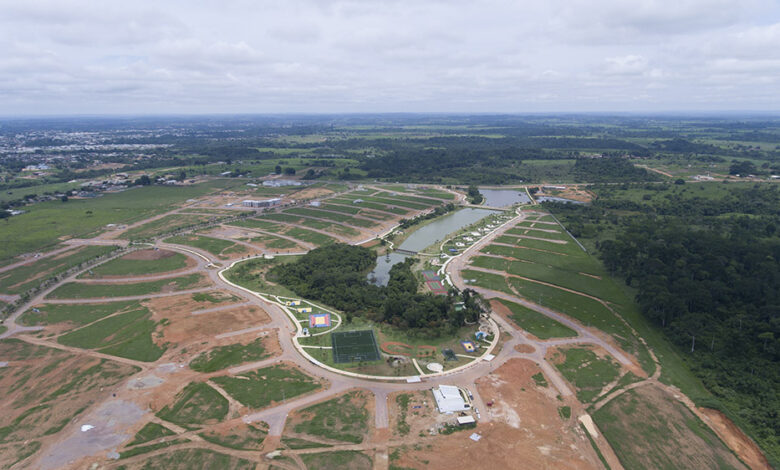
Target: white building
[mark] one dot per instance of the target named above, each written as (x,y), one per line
(449,399)
(261,203)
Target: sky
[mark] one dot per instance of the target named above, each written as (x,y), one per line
(331,56)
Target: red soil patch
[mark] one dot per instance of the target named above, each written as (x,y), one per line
(736,440)
(396,348)
(525,348)
(525,430)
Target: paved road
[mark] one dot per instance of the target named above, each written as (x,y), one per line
(337,383)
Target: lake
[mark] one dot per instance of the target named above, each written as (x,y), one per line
(504,197)
(426,236)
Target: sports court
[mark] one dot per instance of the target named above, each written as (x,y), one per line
(354,346)
(433,281)
(319,320)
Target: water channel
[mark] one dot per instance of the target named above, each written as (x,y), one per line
(424,237)
(504,197)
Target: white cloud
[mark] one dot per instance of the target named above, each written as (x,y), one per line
(392,55)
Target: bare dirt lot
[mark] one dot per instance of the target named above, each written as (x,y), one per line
(525,427)
(746,449)
(43,389)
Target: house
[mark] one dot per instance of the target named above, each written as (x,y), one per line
(449,399)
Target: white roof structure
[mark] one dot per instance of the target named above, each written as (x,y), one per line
(466,420)
(449,399)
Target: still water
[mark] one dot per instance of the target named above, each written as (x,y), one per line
(425,236)
(504,197)
(557,199)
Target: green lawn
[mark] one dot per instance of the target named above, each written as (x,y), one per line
(241,437)
(125,266)
(537,324)
(587,372)
(150,432)
(223,357)
(338,460)
(197,404)
(309,236)
(80,290)
(215,246)
(334,216)
(272,242)
(23,278)
(487,280)
(260,388)
(344,418)
(649,429)
(371,205)
(126,335)
(196,459)
(44,223)
(259,224)
(251,275)
(164,225)
(74,314)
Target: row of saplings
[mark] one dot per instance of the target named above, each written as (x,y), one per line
(337,276)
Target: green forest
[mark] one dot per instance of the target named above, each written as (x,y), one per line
(337,275)
(703,260)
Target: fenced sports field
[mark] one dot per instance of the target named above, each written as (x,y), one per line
(354,346)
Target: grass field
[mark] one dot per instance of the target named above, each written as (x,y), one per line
(588,372)
(223,357)
(259,224)
(126,266)
(251,275)
(166,224)
(314,238)
(74,314)
(272,242)
(262,387)
(343,419)
(126,335)
(334,216)
(196,459)
(197,404)
(338,460)
(371,205)
(80,290)
(648,429)
(537,324)
(150,432)
(588,311)
(215,246)
(487,280)
(240,437)
(44,223)
(26,277)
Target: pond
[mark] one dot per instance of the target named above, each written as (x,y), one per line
(556,199)
(504,197)
(426,236)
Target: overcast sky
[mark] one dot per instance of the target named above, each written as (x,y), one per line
(255,56)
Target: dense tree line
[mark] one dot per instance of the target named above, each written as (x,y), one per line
(710,280)
(610,170)
(337,275)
